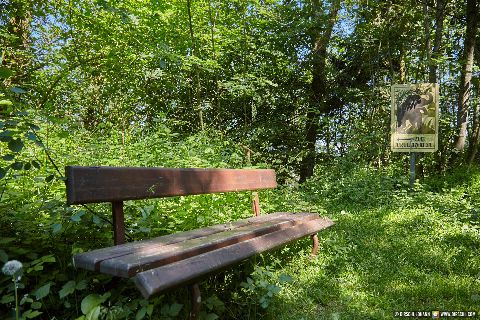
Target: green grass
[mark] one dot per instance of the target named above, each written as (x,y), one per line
(396,251)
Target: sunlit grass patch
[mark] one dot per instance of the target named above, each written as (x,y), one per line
(415,253)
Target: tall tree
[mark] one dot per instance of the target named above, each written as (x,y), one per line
(466,75)
(16,57)
(321,34)
(439,19)
(196,99)
(475,136)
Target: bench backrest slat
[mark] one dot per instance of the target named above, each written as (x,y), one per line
(109,184)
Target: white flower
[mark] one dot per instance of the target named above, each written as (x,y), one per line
(12,267)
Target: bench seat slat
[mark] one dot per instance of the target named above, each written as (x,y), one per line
(158,254)
(155,280)
(91,260)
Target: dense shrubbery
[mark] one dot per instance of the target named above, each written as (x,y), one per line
(39,230)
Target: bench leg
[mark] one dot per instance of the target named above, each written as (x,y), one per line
(315,245)
(196,301)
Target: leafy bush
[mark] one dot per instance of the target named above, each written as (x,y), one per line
(39,230)
(374,208)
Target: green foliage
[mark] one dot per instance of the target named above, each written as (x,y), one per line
(33,202)
(91,305)
(398,249)
(263,285)
(370,206)
(122,83)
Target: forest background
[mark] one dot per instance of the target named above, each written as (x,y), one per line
(299,86)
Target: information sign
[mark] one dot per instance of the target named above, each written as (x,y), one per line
(414,117)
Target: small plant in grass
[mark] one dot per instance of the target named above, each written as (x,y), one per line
(263,285)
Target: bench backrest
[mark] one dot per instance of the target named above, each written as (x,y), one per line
(117,184)
(111,184)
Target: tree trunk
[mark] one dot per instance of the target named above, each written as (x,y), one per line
(320,41)
(433,64)
(466,75)
(426,26)
(196,99)
(403,66)
(475,141)
(433,67)
(216,95)
(17,58)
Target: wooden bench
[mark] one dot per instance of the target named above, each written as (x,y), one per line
(181,258)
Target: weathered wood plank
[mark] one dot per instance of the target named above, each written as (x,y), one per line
(91,260)
(109,184)
(155,280)
(118,223)
(158,254)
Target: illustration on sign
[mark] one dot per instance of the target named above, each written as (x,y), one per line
(414,117)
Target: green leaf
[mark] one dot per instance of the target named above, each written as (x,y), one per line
(211,316)
(8,157)
(81,285)
(43,291)
(6,133)
(18,165)
(3,173)
(33,127)
(49,178)
(6,136)
(141,313)
(48,258)
(150,309)
(175,309)
(31,136)
(30,314)
(25,299)
(5,72)
(5,103)
(15,145)
(56,228)
(7,299)
(36,164)
(91,301)
(97,220)
(284,278)
(36,305)
(68,288)
(93,314)
(77,217)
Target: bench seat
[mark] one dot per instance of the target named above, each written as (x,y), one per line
(168,261)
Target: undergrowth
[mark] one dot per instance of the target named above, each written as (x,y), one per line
(392,248)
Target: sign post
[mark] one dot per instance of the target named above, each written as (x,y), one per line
(414,126)
(412,168)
